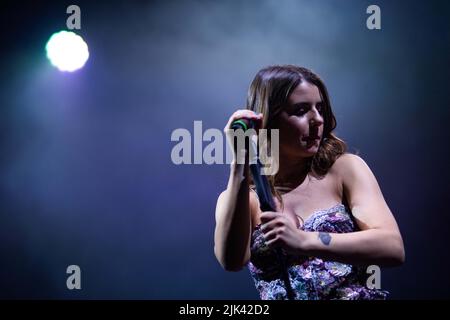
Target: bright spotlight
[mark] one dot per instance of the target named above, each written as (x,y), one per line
(67,51)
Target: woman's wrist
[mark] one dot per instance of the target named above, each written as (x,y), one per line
(238,170)
(316,243)
(306,243)
(237,176)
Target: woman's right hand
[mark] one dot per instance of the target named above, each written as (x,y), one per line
(245,114)
(237,115)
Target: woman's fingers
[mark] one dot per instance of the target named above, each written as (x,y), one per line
(274,221)
(271,225)
(244,114)
(274,239)
(270,236)
(268,216)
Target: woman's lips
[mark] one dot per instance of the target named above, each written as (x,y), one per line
(311,138)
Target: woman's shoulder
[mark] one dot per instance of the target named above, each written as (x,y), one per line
(348,166)
(347,161)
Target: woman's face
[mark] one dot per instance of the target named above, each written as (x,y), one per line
(301,122)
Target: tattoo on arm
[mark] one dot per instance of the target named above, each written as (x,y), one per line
(325,238)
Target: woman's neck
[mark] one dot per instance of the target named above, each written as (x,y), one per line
(292,171)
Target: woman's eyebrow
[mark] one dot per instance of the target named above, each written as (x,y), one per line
(305,104)
(300,104)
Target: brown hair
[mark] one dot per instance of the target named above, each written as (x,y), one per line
(269,93)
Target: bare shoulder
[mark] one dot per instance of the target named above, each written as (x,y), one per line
(359,184)
(349,166)
(348,160)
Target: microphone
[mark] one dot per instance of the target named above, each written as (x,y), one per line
(243,124)
(264,193)
(261,182)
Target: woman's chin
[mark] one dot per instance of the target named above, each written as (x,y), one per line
(308,152)
(311,148)
(303,150)
(311,151)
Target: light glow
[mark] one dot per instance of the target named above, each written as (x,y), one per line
(67,51)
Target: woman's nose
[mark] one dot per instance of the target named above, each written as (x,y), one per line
(317,119)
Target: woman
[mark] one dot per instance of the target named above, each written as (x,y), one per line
(331,220)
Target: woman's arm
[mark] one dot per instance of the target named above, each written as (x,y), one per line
(379,241)
(234,209)
(371,246)
(236,206)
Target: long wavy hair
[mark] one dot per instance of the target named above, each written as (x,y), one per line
(268,94)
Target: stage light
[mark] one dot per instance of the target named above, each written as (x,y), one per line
(67,51)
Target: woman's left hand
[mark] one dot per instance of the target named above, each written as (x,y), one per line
(279,231)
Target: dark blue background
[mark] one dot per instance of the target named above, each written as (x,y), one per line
(85,167)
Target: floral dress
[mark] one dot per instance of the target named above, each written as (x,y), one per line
(310,278)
